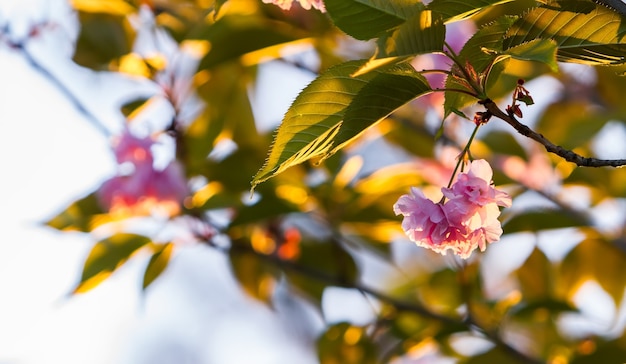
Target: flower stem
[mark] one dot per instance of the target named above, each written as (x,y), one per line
(462,155)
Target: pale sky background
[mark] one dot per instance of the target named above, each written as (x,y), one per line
(50,154)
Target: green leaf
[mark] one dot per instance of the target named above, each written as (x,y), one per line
(334,109)
(455,10)
(367,19)
(541,220)
(106,256)
(103,38)
(83,215)
(422,33)
(158,262)
(588,37)
(479,52)
(598,260)
(538,50)
(382,95)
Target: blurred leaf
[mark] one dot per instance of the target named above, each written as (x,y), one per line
(594,259)
(256,276)
(455,10)
(442,292)
(610,88)
(83,215)
(113,7)
(106,256)
(495,355)
(346,344)
(233,36)
(572,124)
(575,31)
(411,136)
(554,307)
(103,38)
(611,182)
(612,352)
(129,108)
(502,142)
(226,118)
(268,206)
(158,262)
(422,33)
(541,220)
(323,119)
(535,277)
(367,19)
(327,260)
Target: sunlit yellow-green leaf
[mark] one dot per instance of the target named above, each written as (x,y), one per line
(587,33)
(114,7)
(106,256)
(594,259)
(334,109)
(424,32)
(83,215)
(535,277)
(157,263)
(538,50)
(454,10)
(346,344)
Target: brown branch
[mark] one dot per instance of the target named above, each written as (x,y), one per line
(566,154)
(399,305)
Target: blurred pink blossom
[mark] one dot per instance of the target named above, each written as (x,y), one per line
(466,221)
(537,173)
(143,190)
(306,4)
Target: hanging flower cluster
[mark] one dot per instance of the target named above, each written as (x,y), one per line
(140,189)
(465,219)
(306,4)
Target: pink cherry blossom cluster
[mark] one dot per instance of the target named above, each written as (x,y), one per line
(468,219)
(142,189)
(306,4)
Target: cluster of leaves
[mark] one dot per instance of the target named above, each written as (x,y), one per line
(309,222)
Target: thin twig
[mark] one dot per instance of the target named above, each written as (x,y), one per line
(566,154)
(21,46)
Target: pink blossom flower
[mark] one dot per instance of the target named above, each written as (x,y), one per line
(144,189)
(466,221)
(306,4)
